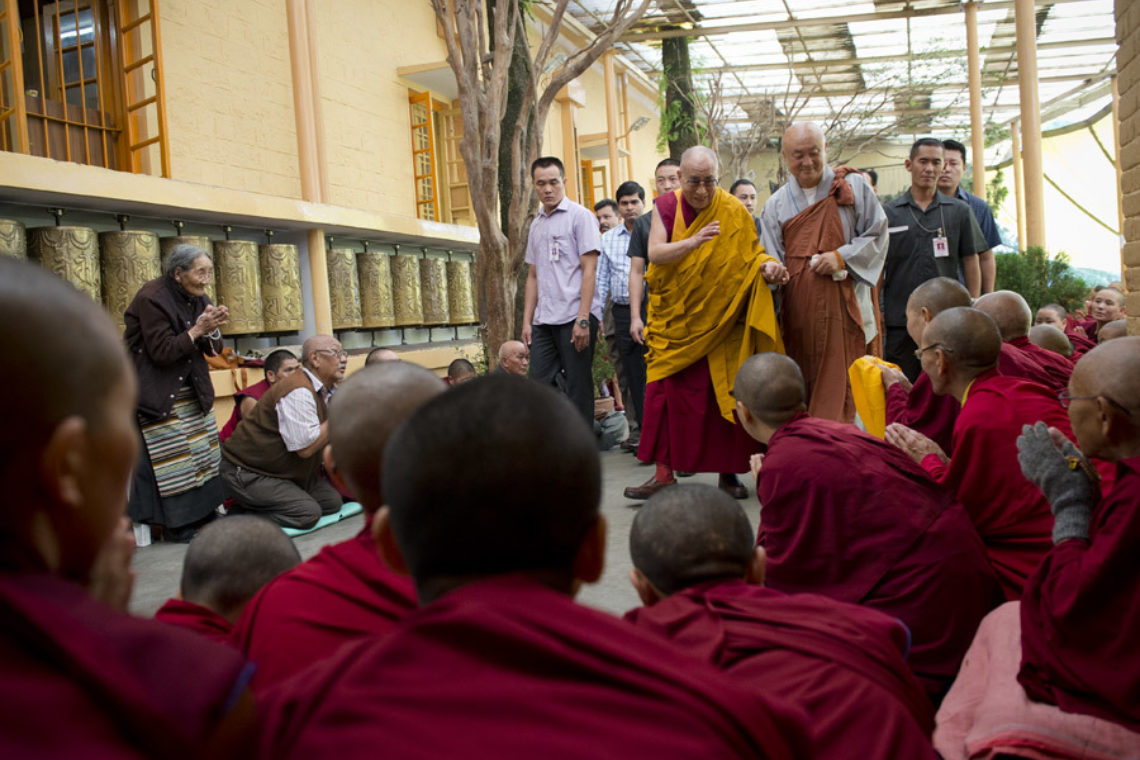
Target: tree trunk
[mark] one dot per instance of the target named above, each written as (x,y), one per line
(678,74)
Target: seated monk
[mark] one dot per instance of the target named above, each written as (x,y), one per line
(345,592)
(960,355)
(1079,617)
(917,406)
(225,565)
(460,371)
(81,679)
(1055,314)
(1117,328)
(702,583)
(848,516)
(278,365)
(499,661)
(1106,305)
(1052,339)
(1013,317)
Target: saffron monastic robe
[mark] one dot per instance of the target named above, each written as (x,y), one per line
(708,312)
(1010,513)
(841,663)
(81,680)
(851,517)
(195,617)
(307,613)
(828,324)
(1080,622)
(506,668)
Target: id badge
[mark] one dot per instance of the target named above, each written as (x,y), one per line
(941,247)
(554,248)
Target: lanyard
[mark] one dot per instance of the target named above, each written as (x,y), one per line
(941,215)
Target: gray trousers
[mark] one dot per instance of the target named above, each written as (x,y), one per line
(283,501)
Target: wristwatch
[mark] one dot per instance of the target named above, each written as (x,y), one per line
(583,323)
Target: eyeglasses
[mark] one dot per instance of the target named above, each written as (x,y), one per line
(697,181)
(342,354)
(918,354)
(1066,398)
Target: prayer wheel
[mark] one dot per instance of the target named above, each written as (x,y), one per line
(433,287)
(460,296)
(375,275)
(70,252)
(406,295)
(130,259)
(13,239)
(282,304)
(344,288)
(239,285)
(202,242)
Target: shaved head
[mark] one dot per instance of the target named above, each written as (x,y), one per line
(1117,328)
(1010,312)
(1050,338)
(378,355)
(369,406)
(231,559)
(938,295)
(700,155)
(771,387)
(969,338)
(1107,372)
(688,534)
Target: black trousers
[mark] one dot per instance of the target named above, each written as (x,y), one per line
(554,360)
(899,349)
(632,359)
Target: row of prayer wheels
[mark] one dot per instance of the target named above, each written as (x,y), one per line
(259,284)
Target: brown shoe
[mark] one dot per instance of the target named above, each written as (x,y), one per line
(732,486)
(630,444)
(648,488)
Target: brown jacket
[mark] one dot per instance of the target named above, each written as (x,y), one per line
(256,444)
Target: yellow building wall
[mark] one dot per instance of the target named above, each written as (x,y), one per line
(229,95)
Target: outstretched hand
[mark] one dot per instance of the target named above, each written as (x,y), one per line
(1054,464)
(913,443)
(892,376)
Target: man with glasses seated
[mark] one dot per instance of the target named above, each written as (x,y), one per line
(960,354)
(709,309)
(271,464)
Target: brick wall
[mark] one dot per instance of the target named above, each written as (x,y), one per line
(1128,69)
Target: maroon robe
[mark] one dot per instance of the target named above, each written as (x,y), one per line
(307,613)
(1014,363)
(1010,513)
(197,618)
(255,391)
(923,410)
(1055,369)
(1090,326)
(1080,622)
(506,668)
(851,517)
(81,680)
(843,664)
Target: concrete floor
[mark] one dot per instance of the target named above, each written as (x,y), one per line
(159,566)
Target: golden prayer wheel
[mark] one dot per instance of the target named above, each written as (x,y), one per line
(130,259)
(239,285)
(406,294)
(375,275)
(460,296)
(433,286)
(282,305)
(344,288)
(70,252)
(13,239)
(202,242)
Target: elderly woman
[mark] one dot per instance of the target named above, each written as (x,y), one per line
(169,325)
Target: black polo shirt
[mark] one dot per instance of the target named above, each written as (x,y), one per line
(910,257)
(639,237)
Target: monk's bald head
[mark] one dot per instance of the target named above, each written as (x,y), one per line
(1117,328)
(969,340)
(937,295)
(379,355)
(1009,311)
(1051,339)
(369,406)
(231,559)
(771,387)
(1108,371)
(688,534)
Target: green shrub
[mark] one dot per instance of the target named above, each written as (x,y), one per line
(1040,279)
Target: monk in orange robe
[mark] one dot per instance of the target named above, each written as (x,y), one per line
(499,661)
(225,565)
(81,678)
(1013,316)
(709,309)
(345,592)
(960,355)
(701,581)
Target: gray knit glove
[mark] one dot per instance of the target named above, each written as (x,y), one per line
(1065,477)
